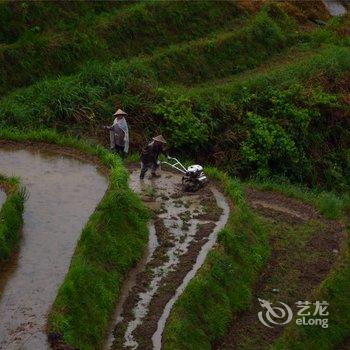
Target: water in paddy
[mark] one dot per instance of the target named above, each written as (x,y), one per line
(63,193)
(2,197)
(335,8)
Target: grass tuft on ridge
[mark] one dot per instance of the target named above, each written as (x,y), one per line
(11,216)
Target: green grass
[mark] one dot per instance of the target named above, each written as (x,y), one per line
(288,120)
(23,18)
(115,34)
(11,216)
(112,241)
(288,243)
(282,121)
(332,206)
(335,289)
(224,284)
(229,52)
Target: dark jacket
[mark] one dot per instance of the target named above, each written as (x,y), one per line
(151,152)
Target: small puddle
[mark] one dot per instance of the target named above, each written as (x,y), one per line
(335,8)
(63,193)
(2,197)
(182,237)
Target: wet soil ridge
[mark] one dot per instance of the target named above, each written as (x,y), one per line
(183,223)
(304,247)
(60,201)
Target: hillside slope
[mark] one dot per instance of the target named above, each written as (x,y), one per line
(259,89)
(267,97)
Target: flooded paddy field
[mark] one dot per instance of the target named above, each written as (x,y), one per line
(2,197)
(62,194)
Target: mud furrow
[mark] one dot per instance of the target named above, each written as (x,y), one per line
(184,223)
(304,247)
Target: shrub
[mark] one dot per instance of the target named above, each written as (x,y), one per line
(183,127)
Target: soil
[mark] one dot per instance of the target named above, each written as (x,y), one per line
(302,254)
(183,222)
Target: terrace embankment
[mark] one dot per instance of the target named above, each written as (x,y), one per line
(304,248)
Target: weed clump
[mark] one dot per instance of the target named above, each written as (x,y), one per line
(11,216)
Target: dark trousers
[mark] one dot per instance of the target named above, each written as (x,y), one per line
(120,151)
(146,166)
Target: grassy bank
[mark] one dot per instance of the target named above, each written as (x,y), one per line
(112,242)
(115,33)
(335,288)
(232,51)
(332,206)
(23,18)
(63,35)
(288,119)
(224,284)
(10,216)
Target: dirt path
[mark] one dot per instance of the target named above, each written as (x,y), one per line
(304,247)
(186,225)
(63,193)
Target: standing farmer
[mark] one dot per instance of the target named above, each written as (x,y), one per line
(149,155)
(119,133)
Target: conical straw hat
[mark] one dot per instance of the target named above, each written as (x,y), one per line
(159,138)
(120,112)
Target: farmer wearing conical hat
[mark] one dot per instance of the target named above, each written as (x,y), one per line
(119,133)
(149,156)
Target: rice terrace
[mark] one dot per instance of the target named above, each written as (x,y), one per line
(175,175)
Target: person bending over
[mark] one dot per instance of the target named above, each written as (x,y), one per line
(149,156)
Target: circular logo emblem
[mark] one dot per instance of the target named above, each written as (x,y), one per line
(274,315)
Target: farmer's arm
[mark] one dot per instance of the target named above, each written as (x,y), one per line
(165,151)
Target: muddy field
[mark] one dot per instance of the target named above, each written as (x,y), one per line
(184,229)
(304,247)
(59,204)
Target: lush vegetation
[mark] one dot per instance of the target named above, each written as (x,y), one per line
(283,119)
(274,124)
(21,18)
(118,33)
(112,242)
(260,92)
(224,284)
(10,216)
